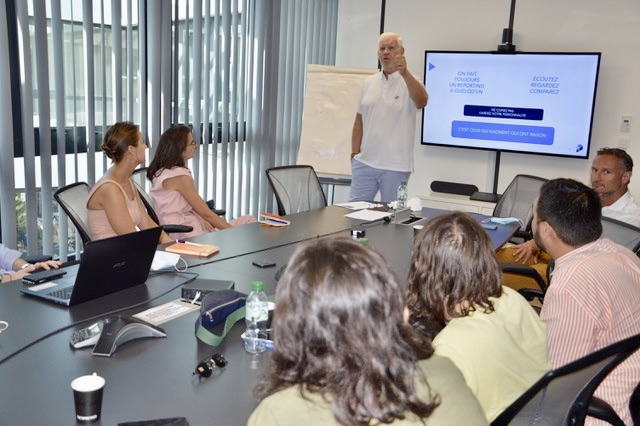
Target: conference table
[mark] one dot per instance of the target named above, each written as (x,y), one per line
(151,378)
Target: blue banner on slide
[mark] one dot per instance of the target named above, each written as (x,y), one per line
(489,111)
(503,132)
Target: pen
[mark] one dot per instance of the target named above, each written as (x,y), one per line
(188,242)
(275,219)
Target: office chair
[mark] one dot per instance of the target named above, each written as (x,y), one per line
(621,233)
(73,200)
(517,201)
(296,188)
(562,396)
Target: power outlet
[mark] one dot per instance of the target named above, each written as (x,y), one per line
(625,124)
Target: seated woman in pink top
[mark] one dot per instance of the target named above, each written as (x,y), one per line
(114,206)
(174,190)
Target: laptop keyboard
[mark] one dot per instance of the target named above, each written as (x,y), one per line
(63,293)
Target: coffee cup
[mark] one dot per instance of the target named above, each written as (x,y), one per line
(87,396)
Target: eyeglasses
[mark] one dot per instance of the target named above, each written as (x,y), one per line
(206,367)
(193,143)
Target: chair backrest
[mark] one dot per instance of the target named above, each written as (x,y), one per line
(139,177)
(297,188)
(621,233)
(73,200)
(517,200)
(143,185)
(561,397)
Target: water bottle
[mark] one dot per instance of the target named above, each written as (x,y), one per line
(401,201)
(256,315)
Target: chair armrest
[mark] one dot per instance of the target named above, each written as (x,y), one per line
(531,293)
(525,235)
(603,411)
(212,205)
(526,271)
(176,228)
(37,258)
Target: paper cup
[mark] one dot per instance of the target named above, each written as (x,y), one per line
(87,396)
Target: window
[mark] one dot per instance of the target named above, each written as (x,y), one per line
(234,71)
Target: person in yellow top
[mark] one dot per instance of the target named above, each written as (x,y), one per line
(344,353)
(490,332)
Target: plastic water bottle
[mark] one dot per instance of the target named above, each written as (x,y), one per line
(257,313)
(401,200)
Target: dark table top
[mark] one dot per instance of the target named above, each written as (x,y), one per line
(152,378)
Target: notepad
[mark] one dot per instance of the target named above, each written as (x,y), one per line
(193,249)
(271,219)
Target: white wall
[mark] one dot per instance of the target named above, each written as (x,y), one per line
(612,28)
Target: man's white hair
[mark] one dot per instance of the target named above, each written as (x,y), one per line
(387,35)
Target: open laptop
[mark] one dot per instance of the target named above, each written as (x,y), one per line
(106,266)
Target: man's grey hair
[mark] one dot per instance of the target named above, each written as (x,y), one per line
(386,35)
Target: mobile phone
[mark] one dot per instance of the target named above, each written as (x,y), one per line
(43,276)
(264,263)
(490,226)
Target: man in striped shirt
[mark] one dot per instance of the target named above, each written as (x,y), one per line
(594,297)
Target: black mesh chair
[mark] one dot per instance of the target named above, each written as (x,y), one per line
(517,201)
(73,200)
(562,396)
(621,233)
(297,188)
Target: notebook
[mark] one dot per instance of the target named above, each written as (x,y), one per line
(106,266)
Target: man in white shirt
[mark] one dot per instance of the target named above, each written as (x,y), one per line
(610,175)
(383,134)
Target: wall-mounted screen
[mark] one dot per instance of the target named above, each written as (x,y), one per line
(535,103)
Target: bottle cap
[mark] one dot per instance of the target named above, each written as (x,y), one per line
(257,286)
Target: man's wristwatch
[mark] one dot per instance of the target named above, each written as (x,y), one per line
(26,265)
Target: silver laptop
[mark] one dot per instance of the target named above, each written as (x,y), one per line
(106,266)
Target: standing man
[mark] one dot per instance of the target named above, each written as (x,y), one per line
(593,300)
(384,129)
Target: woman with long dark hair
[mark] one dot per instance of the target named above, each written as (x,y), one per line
(490,332)
(344,353)
(174,190)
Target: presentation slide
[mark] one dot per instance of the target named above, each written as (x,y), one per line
(535,103)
